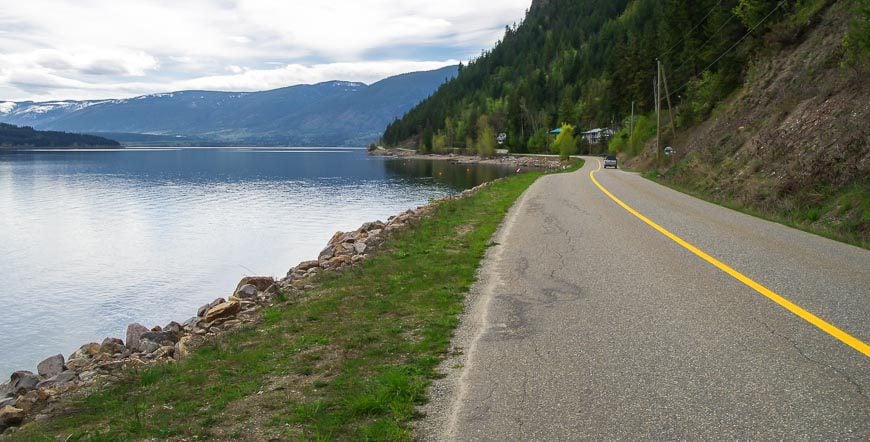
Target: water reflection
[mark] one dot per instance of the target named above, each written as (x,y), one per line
(91,241)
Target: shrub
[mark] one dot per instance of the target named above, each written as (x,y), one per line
(566,144)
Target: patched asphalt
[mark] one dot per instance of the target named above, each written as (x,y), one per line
(592,325)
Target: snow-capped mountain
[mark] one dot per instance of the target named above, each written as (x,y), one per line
(330,113)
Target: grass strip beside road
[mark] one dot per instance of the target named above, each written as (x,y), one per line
(349,359)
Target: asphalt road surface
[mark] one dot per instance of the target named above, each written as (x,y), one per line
(594,325)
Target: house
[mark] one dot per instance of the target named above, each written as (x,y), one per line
(596,136)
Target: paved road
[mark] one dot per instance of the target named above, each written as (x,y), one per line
(595,325)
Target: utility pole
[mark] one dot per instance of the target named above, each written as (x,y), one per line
(658,111)
(631,121)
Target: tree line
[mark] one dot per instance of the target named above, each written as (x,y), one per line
(26,136)
(585,63)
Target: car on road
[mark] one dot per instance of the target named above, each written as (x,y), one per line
(610,161)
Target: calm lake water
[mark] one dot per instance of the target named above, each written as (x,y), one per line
(91,241)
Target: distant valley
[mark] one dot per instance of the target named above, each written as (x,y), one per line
(335,113)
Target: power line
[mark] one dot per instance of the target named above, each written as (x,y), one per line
(779,5)
(709,39)
(692,30)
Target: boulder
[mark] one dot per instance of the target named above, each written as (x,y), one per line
(11,416)
(338,261)
(360,248)
(27,401)
(161,337)
(7,401)
(59,379)
(112,346)
(21,382)
(173,327)
(148,346)
(260,282)
(50,366)
(203,309)
(134,333)
(223,310)
(336,238)
(182,348)
(247,291)
(305,266)
(326,253)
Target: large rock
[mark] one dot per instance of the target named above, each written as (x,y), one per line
(160,337)
(360,248)
(134,334)
(247,291)
(260,282)
(112,346)
(326,253)
(223,310)
(50,366)
(305,266)
(203,309)
(182,348)
(83,357)
(10,416)
(20,383)
(59,379)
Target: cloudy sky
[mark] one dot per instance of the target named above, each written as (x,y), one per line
(87,49)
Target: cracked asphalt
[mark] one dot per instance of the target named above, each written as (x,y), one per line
(592,325)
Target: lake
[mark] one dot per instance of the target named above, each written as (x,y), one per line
(91,241)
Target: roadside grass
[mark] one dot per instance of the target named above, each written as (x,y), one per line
(844,216)
(349,359)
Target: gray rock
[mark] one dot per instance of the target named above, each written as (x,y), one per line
(173,327)
(260,282)
(134,333)
(247,291)
(148,346)
(160,337)
(360,248)
(23,381)
(50,366)
(326,253)
(7,401)
(60,379)
(88,375)
(307,265)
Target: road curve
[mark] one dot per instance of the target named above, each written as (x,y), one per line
(592,324)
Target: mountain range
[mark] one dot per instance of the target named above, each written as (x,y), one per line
(333,113)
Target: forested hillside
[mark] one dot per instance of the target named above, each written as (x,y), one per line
(14,136)
(585,62)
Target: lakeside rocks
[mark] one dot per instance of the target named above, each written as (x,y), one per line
(28,396)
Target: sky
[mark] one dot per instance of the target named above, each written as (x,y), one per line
(93,49)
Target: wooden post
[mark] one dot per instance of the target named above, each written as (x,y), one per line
(631,122)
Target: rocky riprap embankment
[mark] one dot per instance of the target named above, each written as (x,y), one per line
(31,396)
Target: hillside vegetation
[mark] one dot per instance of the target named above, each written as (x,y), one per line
(769,98)
(18,137)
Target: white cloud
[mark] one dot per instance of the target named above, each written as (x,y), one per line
(97,48)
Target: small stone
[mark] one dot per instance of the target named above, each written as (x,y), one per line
(247,291)
(164,352)
(50,366)
(223,310)
(134,333)
(88,375)
(27,401)
(11,416)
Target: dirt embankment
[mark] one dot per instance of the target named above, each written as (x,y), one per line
(792,143)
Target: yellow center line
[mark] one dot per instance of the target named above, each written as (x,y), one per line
(844,337)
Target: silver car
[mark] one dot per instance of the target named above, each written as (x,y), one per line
(610,161)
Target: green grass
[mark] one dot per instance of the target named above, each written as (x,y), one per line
(843,216)
(350,359)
